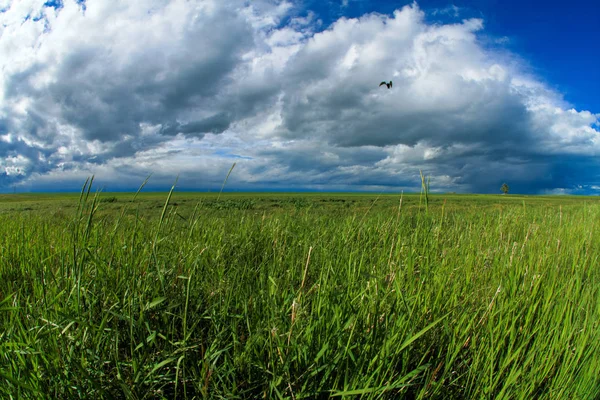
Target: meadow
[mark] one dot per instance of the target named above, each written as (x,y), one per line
(271,295)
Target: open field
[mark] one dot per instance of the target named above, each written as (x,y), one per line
(274,295)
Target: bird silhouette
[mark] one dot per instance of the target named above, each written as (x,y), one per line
(389,85)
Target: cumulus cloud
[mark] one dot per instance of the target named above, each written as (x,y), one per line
(188,87)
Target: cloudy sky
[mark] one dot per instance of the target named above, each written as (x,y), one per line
(484,92)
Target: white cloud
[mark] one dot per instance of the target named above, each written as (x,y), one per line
(450,10)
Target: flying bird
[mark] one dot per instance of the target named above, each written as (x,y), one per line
(389,85)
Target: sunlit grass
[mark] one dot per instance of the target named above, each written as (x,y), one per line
(132,298)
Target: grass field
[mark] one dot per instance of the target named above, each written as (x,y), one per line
(271,295)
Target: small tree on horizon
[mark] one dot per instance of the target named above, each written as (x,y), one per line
(504,188)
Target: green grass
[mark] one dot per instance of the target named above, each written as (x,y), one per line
(299,296)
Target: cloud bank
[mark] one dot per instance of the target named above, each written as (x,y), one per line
(189,87)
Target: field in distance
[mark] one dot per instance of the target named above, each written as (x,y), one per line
(299,295)
(262,201)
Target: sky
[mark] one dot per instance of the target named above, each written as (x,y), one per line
(484,92)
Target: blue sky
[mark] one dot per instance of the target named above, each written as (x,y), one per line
(485,92)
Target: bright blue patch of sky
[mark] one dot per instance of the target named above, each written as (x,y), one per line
(59,3)
(560,40)
(53,3)
(226,154)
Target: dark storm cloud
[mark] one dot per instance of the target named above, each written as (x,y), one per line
(214,124)
(106,88)
(306,157)
(106,101)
